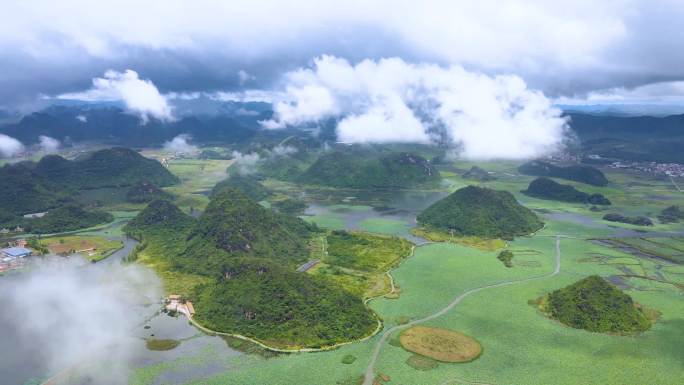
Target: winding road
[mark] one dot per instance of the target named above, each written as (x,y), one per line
(370,375)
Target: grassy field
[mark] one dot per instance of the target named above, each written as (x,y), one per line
(92,248)
(519,344)
(475,242)
(198,177)
(359,261)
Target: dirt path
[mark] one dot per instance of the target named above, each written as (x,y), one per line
(370,375)
(675,184)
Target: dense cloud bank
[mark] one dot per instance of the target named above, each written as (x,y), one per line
(209,45)
(393,101)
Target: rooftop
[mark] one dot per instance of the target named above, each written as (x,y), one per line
(16,251)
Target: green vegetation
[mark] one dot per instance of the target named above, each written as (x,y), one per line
(159,217)
(214,155)
(597,306)
(248,185)
(545,188)
(279,306)
(234,225)
(66,218)
(248,255)
(290,206)
(422,363)
(38,247)
(111,167)
(349,170)
(671,249)
(479,243)
(477,173)
(671,214)
(584,174)
(161,344)
(54,182)
(637,221)
(348,359)
(366,252)
(145,192)
(506,256)
(25,192)
(482,212)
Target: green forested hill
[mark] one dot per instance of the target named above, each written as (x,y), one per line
(281,307)
(480,212)
(235,225)
(158,217)
(584,174)
(145,192)
(248,185)
(30,187)
(66,218)
(23,191)
(350,170)
(111,167)
(477,173)
(545,188)
(250,254)
(595,305)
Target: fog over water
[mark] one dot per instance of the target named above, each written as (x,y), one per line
(67,315)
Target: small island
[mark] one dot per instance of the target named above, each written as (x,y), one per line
(595,305)
(478,173)
(637,221)
(577,173)
(480,212)
(545,188)
(391,170)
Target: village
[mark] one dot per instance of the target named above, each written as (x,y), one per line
(14,255)
(15,252)
(666,169)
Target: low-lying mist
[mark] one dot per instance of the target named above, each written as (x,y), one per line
(73,318)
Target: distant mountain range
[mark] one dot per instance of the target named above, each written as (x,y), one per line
(610,135)
(114,126)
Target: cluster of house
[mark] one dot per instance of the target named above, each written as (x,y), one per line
(668,169)
(17,229)
(177,303)
(12,256)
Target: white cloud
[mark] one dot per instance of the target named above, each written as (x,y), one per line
(246,112)
(244,77)
(140,96)
(10,147)
(283,150)
(310,103)
(252,95)
(246,163)
(48,144)
(580,46)
(82,118)
(181,145)
(653,93)
(393,101)
(94,308)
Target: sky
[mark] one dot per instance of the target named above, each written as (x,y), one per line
(403,61)
(50,48)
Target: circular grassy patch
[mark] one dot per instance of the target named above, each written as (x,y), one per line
(159,344)
(440,344)
(348,359)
